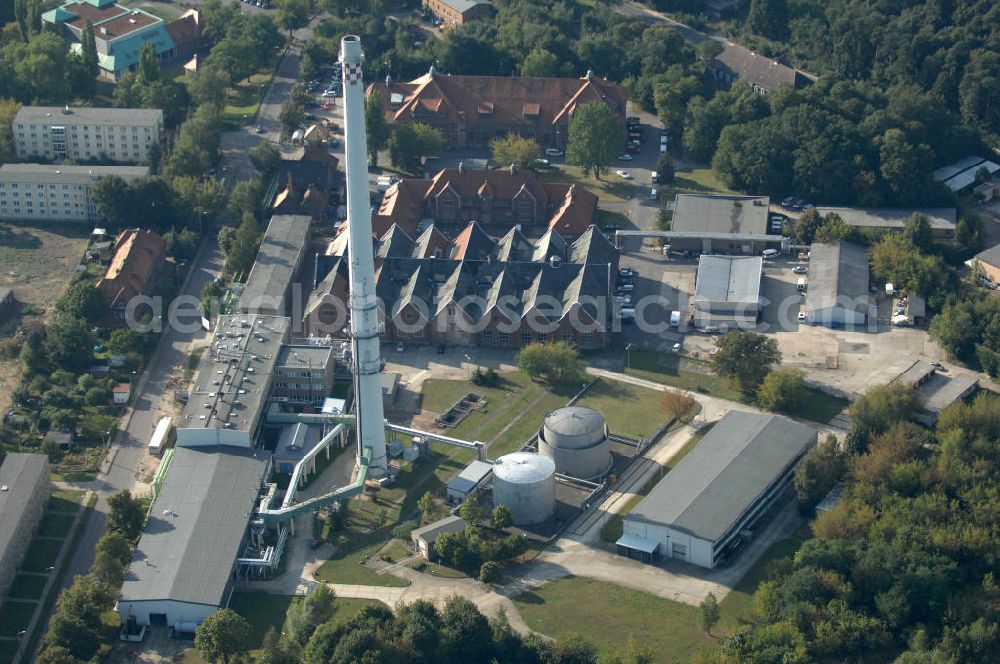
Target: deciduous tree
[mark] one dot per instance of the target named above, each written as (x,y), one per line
(782,389)
(709,613)
(126,514)
(746,357)
(222,636)
(377,129)
(595,137)
(517,150)
(410,143)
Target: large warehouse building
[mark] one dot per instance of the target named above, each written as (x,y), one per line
(184,566)
(24,479)
(838,285)
(725,484)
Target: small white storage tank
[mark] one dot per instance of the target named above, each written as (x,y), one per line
(526,484)
(576,439)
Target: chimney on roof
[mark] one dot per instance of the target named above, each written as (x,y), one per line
(554,261)
(589,75)
(66,110)
(432,70)
(388,80)
(513,168)
(461,167)
(572,191)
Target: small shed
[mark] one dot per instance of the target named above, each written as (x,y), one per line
(64,439)
(466,481)
(423,538)
(121,393)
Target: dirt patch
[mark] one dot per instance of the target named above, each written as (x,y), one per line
(37,261)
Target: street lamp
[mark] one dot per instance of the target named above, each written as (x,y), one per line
(628,347)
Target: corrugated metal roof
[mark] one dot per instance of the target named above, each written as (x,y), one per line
(724,474)
(729,279)
(187,554)
(838,276)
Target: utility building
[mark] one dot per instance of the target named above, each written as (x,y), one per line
(838,285)
(719,491)
(727,290)
(184,566)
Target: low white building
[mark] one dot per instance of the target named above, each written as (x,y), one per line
(466,481)
(58,193)
(703,507)
(423,538)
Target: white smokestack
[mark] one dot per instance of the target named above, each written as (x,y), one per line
(364,312)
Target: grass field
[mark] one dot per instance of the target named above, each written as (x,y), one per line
(628,409)
(610,188)
(37,261)
(7,651)
(55,525)
(41,555)
(243,100)
(27,586)
(671,630)
(15,616)
(65,500)
(665,368)
(818,406)
(696,181)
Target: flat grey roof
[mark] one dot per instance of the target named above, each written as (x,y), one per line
(280,255)
(54,174)
(470,476)
(21,473)
(234,373)
(838,275)
(80,115)
(939,391)
(464,5)
(915,374)
(728,279)
(304,356)
(942,219)
(729,215)
(192,539)
(725,473)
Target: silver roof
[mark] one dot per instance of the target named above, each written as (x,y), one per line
(719,480)
(55,174)
(82,115)
(574,421)
(470,476)
(280,254)
(838,275)
(938,392)
(192,539)
(728,279)
(430,532)
(234,373)
(524,468)
(730,215)
(21,473)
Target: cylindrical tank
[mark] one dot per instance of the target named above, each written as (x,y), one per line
(526,484)
(576,439)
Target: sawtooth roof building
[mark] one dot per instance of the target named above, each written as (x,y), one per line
(475,290)
(723,487)
(503,196)
(184,566)
(472,111)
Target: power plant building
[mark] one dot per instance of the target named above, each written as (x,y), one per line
(576,439)
(703,506)
(183,569)
(526,484)
(268,288)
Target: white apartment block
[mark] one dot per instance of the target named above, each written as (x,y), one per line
(62,193)
(104,134)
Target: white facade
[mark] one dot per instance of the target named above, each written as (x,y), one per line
(672,543)
(165,612)
(60,193)
(837,314)
(104,134)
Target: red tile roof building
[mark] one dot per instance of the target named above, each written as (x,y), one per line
(473,110)
(502,196)
(138,257)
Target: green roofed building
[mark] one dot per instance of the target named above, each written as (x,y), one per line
(120,33)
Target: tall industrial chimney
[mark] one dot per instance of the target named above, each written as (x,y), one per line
(364,311)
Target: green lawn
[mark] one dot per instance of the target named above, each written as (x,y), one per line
(55,525)
(818,406)
(671,630)
(15,616)
(27,586)
(7,651)
(243,100)
(664,368)
(66,500)
(41,555)
(628,409)
(696,181)
(610,188)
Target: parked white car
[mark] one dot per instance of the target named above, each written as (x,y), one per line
(553,152)
(625,175)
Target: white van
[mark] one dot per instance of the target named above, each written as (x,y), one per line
(801,284)
(770,253)
(675,318)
